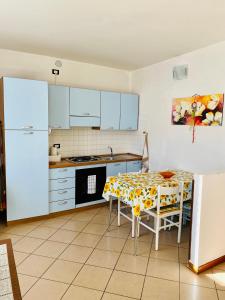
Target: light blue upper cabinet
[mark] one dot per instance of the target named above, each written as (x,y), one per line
(129,112)
(110,110)
(58,105)
(84,102)
(24,102)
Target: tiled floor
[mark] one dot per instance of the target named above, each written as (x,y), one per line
(76,257)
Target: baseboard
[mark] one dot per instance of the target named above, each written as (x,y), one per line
(206,266)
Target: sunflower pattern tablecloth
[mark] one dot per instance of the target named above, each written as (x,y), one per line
(139,190)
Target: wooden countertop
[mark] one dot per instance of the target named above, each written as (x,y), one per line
(118,158)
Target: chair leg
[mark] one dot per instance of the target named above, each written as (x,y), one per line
(179,229)
(133,226)
(136,223)
(164,224)
(118,211)
(110,210)
(157,234)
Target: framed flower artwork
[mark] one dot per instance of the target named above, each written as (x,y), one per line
(198,110)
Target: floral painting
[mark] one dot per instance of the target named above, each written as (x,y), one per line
(198,110)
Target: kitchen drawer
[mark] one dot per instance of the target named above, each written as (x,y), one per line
(113,169)
(61,195)
(61,205)
(133,166)
(61,183)
(61,173)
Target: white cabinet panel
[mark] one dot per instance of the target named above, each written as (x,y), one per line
(58,103)
(25,104)
(26,173)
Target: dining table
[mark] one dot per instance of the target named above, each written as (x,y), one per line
(139,190)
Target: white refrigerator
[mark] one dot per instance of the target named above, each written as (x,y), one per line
(25,105)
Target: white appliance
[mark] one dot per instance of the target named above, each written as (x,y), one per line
(25,119)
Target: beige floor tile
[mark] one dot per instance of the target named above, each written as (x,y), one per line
(26,282)
(119,232)
(63,236)
(189,292)
(63,271)
(95,228)
(86,239)
(35,265)
(19,257)
(183,255)
(221,295)
(76,253)
(81,293)
(55,222)
(145,235)
(42,232)
(46,290)
(204,279)
(101,219)
(51,249)
(165,252)
(14,238)
(143,248)
(122,221)
(108,296)
(219,278)
(163,269)
(112,244)
(167,237)
(83,216)
(22,229)
(27,244)
(132,264)
(74,225)
(155,288)
(105,259)
(93,277)
(126,284)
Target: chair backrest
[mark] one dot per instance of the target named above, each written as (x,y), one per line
(177,191)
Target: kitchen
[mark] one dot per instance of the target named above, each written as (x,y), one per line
(74,121)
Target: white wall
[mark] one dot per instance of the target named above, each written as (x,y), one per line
(171,145)
(77,141)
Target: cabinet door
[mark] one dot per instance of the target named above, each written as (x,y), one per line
(25,104)
(110,110)
(133,166)
(129,112)
(26,173)
(113,169)
(84,102)
(58,107)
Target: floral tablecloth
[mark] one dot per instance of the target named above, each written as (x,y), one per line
(139,190)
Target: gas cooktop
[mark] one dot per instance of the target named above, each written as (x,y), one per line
(77,159)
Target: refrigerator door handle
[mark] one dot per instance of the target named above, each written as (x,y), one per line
(30,132)
(27,127)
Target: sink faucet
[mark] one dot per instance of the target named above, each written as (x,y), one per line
(111,150)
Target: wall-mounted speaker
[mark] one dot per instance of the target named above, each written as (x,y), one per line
(180,72)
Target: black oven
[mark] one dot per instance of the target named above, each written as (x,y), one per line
(90,182)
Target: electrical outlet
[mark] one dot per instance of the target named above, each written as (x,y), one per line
(55,72)
(56,146)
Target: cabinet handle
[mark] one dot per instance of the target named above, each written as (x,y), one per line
(27,127)
(30,132)
(63,203)
(56,126)
(129,128)
(117,164)
(62,192)
(63,170)
(86,114)
(62,181)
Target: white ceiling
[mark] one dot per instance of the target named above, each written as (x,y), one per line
(126,34)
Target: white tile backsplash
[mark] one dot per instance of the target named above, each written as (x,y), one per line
(86,141)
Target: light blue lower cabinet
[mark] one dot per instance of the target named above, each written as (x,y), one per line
(113,169)
(61,205)
(58,173)
(61,195)
(61,184)
(133,166)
